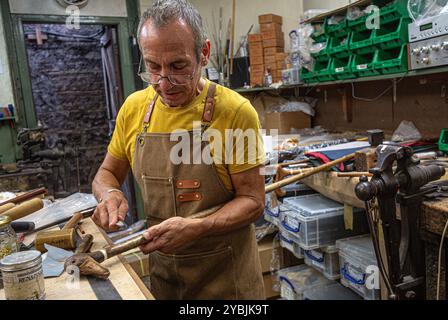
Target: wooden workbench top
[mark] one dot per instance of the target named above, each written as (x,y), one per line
(123,282)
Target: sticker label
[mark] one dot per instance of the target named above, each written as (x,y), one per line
(362,66)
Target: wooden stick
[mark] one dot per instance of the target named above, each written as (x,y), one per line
(24,209)
(301,176)
(26,196)
(233,35)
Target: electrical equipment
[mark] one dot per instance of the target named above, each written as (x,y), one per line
(429,53)
(428,28)
(443,142)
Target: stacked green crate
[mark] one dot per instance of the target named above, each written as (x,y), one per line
(341,68)
(392,37)
(363,65)
(308,76)
(323,70)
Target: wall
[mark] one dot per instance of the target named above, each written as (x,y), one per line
(105,8)
(6,95)
(247,13)
(325,4)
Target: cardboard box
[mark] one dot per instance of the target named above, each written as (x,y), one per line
(269,281)
(281,56)
(256,60)
(271,66)
(278,73)
(269,18)
(270,59)
(281,65)
(138,261)
(273,35)
(272,51)
(284,122)
(265,247)
(254,37)
(268,27)
(269,43)
(257,68)
(256,49)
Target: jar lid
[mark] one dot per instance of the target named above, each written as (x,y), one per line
(4,221)
(20,260)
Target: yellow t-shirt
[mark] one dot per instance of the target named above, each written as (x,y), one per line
(232,112)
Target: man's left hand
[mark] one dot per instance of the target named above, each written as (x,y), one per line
(171,234)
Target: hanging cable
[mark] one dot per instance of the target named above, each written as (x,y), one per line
(377,97)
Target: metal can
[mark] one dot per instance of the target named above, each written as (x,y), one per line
(23,277)
(8,238)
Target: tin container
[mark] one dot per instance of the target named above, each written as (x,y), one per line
(23,277)
(8,238)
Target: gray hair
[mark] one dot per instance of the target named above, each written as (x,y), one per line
(163,12)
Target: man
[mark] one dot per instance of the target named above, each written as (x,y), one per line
(201,237)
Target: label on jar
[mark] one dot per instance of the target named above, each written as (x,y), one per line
(24,285)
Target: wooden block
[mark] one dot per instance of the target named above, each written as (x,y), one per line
(269,18)
(269,43)
(273,35)
(269,59)
(267,27)
(257,68)
(255,37)
(256,60)
(281,56)
(256,49)
(272,51)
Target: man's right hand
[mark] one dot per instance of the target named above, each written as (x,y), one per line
(110,210)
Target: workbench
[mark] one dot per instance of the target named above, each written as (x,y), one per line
(432,221)
(122,284)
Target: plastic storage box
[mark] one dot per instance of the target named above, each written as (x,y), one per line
(361,42)
(298,251)
(297,189)
(285,240)
(333,291)
(295,280)
(291,76)
(342,68)
(340,29)
(395,11)
(271,213)
(392,61)
(307,76)
(322,70)
(315,221)
(363,65)
(358,263)
(323,55)
(325,260)
(340,46)
(392,34)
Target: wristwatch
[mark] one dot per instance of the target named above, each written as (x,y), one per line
(109,191)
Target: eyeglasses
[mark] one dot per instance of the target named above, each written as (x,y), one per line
(176,79)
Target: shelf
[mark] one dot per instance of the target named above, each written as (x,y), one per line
(321,17)
(413,73)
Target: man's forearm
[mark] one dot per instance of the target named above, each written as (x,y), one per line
(236,214)
(103,181)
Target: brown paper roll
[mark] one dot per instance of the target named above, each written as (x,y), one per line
(24,209)
(6,207)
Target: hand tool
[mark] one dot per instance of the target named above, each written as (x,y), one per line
(6,207)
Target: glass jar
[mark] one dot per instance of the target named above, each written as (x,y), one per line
(8,238)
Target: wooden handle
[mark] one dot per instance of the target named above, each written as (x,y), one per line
(130,244)
(25,196)
(24,209)
(300,176)
(6,207)
(85,245)
(73,221)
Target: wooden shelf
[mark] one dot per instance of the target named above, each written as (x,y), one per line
(413,73)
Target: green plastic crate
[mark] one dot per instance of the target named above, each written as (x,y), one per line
(323,55)
(342,68)
(361,42)
(307,76)
(340,47)
(319,33)
(358,24)
(340,29)
(392,60)
(443,141)
(363,64)
(392,34)
(394,11)
(323,72)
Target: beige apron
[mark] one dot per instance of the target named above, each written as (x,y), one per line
(213,267)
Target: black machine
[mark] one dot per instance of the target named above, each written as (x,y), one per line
(240,75)
(398,178)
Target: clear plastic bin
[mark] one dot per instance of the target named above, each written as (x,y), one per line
(285,240)
(298,252)
(325,260)
(358,266)
(295,280)
(297,189)
(315,221)
(333,291)
(271,213)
